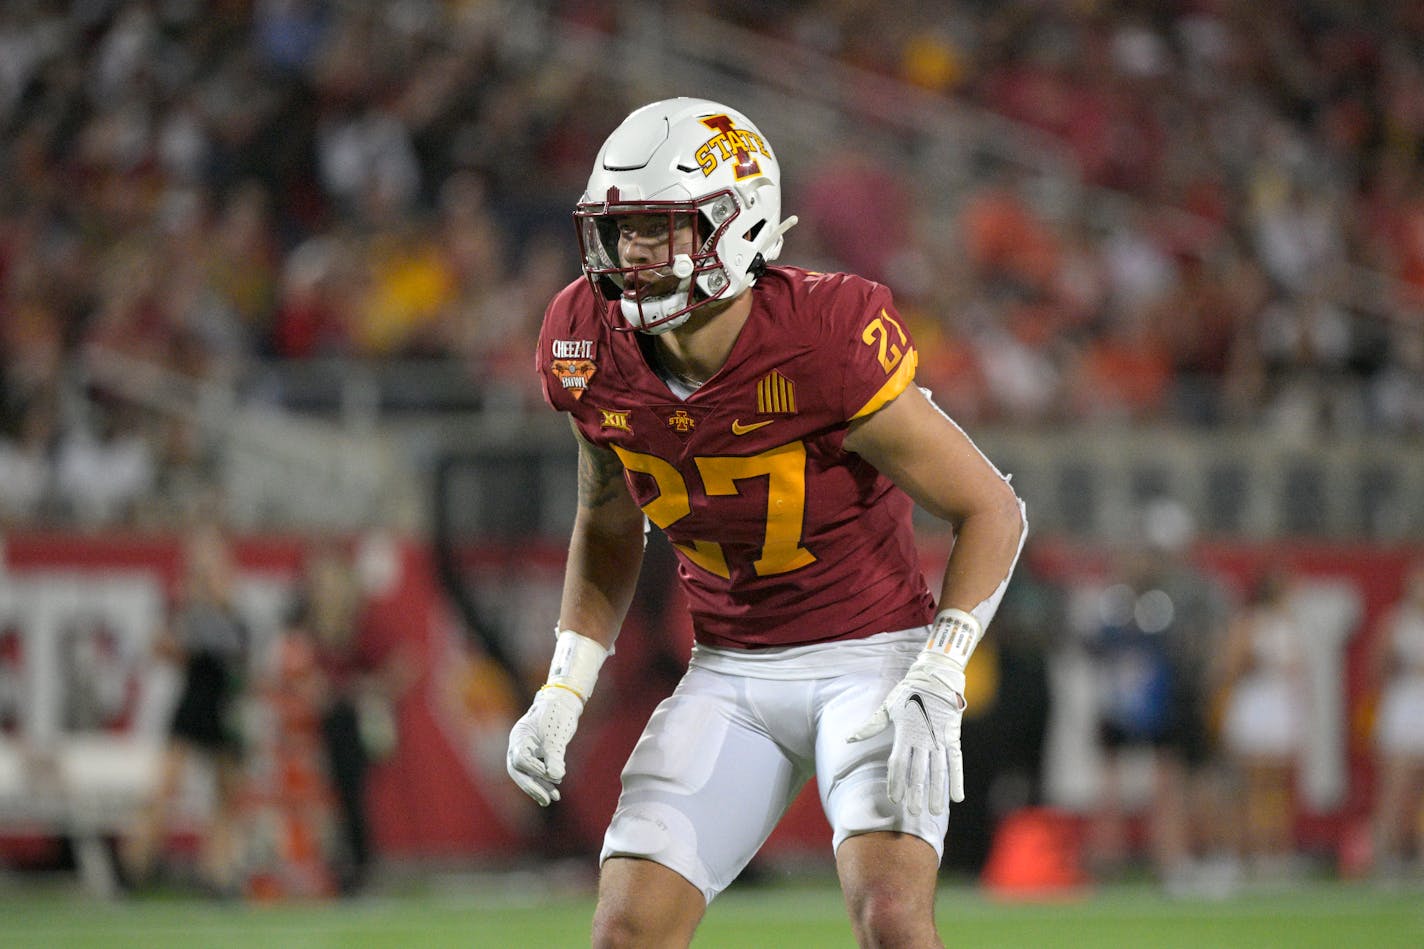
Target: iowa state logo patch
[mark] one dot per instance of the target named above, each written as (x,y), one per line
(682,423)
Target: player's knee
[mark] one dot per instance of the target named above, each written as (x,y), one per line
(615,927)
(887,915)
(622,924)
(643,903)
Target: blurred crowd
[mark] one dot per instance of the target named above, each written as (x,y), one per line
(1269,154)
(203,184)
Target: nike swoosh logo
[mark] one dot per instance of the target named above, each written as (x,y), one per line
(739,429)
(919,703)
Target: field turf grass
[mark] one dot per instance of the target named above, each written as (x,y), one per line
(511,915)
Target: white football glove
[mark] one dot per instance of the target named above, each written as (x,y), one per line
(926,765)
(537,742)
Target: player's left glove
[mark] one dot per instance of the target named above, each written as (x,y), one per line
(926,764)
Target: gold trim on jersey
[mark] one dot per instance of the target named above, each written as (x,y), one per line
(898,382)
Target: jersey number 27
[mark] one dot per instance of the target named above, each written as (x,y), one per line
(784,467)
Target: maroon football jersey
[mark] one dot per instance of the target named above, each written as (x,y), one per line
(783,537)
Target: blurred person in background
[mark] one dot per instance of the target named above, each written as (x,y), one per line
(354,685)
(208,640)
(1266,693)
(1396,667)
(765,418)
(1161,622)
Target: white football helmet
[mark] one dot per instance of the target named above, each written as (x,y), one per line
(691,160)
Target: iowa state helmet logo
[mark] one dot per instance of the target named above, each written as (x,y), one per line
(740,146)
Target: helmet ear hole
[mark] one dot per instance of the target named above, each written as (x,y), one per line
(751,235)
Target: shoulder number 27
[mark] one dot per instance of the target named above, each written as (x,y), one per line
(784,467)
(876,333)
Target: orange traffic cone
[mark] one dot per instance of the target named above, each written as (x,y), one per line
(1035,855)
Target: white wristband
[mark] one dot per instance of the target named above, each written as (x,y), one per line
(576,662)
(954,635)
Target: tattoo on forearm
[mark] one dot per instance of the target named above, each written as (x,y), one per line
(600,475)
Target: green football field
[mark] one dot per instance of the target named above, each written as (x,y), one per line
(528,917)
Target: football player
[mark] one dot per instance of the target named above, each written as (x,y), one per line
(766,419)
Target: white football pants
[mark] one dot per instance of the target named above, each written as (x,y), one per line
(724,756)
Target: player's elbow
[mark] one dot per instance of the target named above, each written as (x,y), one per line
(1009,508)
(1001,511)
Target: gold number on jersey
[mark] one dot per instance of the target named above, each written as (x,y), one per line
(876,334)
(672,505)
(784,468)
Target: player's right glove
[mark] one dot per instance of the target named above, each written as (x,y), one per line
(926,765)
(537,742)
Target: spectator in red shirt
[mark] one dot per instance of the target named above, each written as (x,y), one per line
(355,688)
